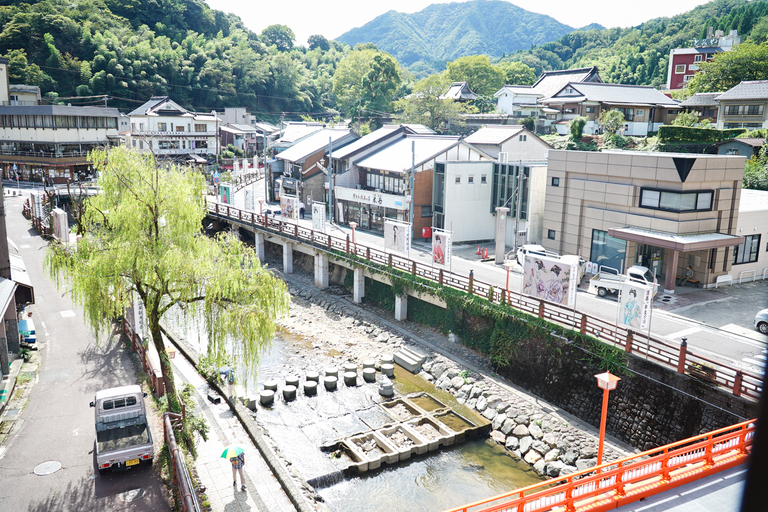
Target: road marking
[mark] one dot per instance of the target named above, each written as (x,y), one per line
(66,314)
(684,332)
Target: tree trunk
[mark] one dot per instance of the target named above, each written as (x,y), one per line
(165,363)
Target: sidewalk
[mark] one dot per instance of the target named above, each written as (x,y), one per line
(264,493)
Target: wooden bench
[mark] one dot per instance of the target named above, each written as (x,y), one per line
(694,282)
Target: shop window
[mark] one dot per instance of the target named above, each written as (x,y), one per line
(607,251)
(748,251)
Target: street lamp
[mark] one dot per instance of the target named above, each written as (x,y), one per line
(261,204)
(607,382)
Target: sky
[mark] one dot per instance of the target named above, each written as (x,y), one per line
(332,18)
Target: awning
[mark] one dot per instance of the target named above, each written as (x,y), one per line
(25,292)
(682,243)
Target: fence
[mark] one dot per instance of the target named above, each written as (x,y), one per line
(181,478)
(739,382)
(630,479)
(148,365)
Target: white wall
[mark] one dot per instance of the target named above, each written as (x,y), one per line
(57,135)
(532,148)
(467,206)
(509,103)
(752,223)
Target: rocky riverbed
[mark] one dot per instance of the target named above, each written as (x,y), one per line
(331,330)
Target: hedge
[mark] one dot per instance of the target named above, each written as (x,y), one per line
(688,134)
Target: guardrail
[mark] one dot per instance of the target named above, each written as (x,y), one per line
(155,375)
(739,382)
(181,478)
(630,479)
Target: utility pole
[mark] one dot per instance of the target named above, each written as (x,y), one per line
(330,177)
(413,172)
(266,181)
(520,179)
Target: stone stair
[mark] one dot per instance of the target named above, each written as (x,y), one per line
(410,359)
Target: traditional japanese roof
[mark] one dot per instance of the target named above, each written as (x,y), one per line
(315,142)
(702,99)
(295,131)
(459,91)
(550,82)
(747,90)
(752,141)
(164,106)
(614,94)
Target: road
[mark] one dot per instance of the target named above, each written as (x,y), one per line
(57,424)
(717,323)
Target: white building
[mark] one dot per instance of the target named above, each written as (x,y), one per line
(173,132)
(750,259)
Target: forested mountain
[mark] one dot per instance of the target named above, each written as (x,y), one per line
(640,55)
(134,49)
(442,32)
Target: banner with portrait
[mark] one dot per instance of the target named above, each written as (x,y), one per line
(550,279)
(226,194)
(318,216)
(635,302)
(289,207)
(441,248)
(397,236)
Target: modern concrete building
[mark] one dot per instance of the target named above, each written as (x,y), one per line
(662,210)
(750,257)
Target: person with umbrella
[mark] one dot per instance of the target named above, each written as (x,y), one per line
(236,456)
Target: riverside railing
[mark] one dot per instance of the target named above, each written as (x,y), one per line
(738,381)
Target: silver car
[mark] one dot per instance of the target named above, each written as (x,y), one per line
(761,321)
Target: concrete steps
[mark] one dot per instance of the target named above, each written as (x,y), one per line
(410,359)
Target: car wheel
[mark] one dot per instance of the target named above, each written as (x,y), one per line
(602,292)
(763,327)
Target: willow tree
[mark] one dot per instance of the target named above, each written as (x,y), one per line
(143,234)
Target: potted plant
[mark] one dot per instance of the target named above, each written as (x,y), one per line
(703,371)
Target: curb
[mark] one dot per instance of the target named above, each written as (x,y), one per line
(243,414)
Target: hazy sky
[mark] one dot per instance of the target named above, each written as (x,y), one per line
(332,18)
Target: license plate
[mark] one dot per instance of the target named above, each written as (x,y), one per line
(132,462)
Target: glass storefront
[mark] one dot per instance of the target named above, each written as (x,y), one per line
(368,217)
(608,251)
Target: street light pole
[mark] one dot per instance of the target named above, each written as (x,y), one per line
(607,382)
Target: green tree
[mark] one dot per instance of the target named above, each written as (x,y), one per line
(380,83)
(424,105)
(318,41)
(517,73)
(143,235)
(756,171)
(576,126)
(365,79)
(611,121)
(745,62)
(688,118)
(279,35)
(482,77)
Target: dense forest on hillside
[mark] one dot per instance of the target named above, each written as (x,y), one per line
(133,49)
(442,32)
(640,55)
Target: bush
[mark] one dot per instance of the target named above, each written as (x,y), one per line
(687,134)
(577,127)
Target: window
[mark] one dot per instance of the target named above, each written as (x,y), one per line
(732,151)
(748,251)
(551,234)
(119,402)
(708,112)
(522,138)
(697,58)
(508,183)
(470,179)
(687,78)
(555,182)
(162,127)
(180,128)
(458,180)
(629,113)
(693,67)
(744,110)
(679,69)
(201,128)
(607,251)
(483,179)
(201,144)
(639,112)
(675,201)
(569,111)
(590,110)
(426,211)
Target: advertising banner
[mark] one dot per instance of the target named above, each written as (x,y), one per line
(250,200)
(550,279)
(226,194)
(635,301)
(441,248)
(397,236)
(235,167)
(318,216)
(289,207)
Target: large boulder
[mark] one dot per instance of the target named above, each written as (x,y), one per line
(521,431)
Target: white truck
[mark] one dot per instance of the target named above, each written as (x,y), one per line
(608,281)
(123,437)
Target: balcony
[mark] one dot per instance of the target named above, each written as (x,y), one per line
(147,133)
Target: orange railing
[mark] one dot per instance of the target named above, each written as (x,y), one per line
(738,381)
(631,479)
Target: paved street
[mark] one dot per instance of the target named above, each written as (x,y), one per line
(57,423)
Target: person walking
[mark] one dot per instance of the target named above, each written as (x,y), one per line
(301,209)
(237,467)
(688,275)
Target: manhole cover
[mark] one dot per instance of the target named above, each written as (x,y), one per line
(46,468)
(132,495)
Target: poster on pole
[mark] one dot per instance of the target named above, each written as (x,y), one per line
(550,279)
(318,216)
(226,194)
(245,165)
(256,165)
(441,248)
(250,200)
(397,236)
(235,167)
(289,206)
(635,303)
